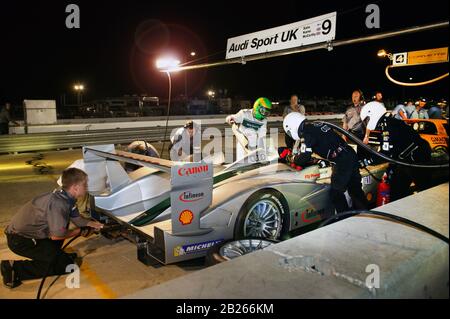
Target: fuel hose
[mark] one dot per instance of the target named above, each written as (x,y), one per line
(380,155)
(389,217)
(38,296)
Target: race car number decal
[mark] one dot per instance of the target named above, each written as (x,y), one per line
(367,180)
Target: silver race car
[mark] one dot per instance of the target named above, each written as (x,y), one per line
(176,211)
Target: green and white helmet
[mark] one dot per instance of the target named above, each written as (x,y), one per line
(261,108)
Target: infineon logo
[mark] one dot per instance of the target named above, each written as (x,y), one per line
(194,248)
(192,170)
(188,197)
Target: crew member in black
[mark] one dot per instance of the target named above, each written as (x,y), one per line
(399,141)
(319,138)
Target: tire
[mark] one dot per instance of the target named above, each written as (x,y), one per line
(441,149)
(272,198)
(216,256)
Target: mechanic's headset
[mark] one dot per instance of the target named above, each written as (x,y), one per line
(60,191)
(361,94)
(380,155)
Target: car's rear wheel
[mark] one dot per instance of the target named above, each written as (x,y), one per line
(440,149)
(264,215)
(235,248)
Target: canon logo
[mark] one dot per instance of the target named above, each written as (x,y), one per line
(192,170)
(191,197)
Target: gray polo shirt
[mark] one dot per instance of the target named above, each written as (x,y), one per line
(352,118)
(46,215)
(288,109)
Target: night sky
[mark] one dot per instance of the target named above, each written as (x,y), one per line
(114,51)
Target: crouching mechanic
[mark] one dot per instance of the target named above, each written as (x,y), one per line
(399,141)
(141,148)
(40,227)
(253,125)
(319,138)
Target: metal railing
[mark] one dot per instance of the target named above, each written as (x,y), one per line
(73,139)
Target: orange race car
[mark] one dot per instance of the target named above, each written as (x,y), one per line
(435,132)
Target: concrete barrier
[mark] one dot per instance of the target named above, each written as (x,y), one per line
(108,124)
(341,260)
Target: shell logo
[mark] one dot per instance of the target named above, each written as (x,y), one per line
(186,217)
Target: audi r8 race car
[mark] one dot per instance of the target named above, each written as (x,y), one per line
(176,211)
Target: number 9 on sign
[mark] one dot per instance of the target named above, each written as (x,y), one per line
(326,26)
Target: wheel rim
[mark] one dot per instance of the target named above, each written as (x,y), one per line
(242,247)
(263,220)
(440,149)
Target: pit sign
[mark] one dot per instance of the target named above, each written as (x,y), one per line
(297,34)
(421,57)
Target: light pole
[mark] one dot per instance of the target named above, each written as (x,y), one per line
(211,94)
(167,65)
(192,54)
(79,89)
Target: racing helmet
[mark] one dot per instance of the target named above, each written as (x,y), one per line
(292,123)
(261,108)
(372,111)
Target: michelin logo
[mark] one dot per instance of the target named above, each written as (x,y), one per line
(194,248)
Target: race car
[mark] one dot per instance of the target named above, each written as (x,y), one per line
(434,131)
(176,211)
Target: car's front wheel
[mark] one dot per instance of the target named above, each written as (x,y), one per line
(235,248)
(264,215)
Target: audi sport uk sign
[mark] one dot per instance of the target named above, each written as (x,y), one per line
(297,34)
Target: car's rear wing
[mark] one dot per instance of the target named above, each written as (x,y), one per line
(190,191)
(108,151)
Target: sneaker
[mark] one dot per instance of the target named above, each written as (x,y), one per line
(9,275)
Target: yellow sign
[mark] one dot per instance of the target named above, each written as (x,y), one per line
(428,56)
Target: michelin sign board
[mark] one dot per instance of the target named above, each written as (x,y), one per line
(297,34)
